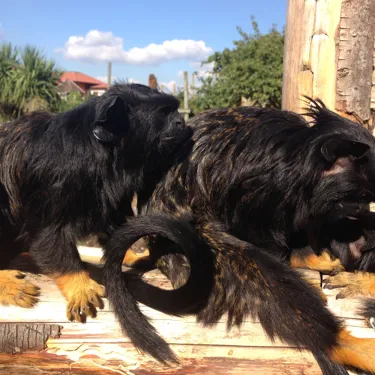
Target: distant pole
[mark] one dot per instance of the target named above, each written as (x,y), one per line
(186,95)
(152,81)
(109,74)
(193,84)
(174,89)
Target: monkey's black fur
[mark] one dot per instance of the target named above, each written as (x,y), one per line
(367,310)
(254,181)
(67,176)
(353,242)
(186,241)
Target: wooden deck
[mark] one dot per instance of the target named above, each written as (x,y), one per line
(99,347)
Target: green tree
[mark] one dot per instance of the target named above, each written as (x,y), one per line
(30,82)
(73,99)
(252,69)
(8,62)
(35,81)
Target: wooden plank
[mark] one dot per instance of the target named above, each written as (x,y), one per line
(195,361)
(19,337)
(52,309)
(356,58)
(175,330)
(51,306)
(100,346)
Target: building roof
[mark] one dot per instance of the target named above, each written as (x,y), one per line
(81,78)
(69,86)
(101,86)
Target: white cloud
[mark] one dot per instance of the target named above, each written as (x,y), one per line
(170,86)
(99,46)
(114,78)
(202,71)
(105,78)
(132,80)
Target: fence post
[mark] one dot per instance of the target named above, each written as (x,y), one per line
(186,96)
(109,74)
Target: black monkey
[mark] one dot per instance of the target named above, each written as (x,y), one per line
(64,177)
(254,182)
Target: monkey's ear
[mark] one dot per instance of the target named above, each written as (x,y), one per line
(341,147)
(112,121)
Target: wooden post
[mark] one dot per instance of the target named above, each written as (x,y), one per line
(355,58)
(329,45)
(152,81)
(373,84)
(186,96)
(309,52)
(192,88)
(109,74)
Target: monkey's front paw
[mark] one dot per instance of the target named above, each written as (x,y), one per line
(354,285)
(16,290)
(83,294)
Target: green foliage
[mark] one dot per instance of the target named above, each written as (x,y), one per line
(73,99)
(28,82)
(252,69)
(180,97)
(8,61)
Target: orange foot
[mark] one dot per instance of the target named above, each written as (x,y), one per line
(16,290)
(354,351)
(322,263)
(83,294)
(132,257)
(354,284)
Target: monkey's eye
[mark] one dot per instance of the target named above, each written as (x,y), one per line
(179,123)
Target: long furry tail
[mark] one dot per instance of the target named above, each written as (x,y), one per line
(134,324)
(249,281)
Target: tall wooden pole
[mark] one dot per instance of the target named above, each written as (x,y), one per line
(109,74)
(193,84)
(186,95)
(152,81)
(310,52)
(355,58)
(328,54)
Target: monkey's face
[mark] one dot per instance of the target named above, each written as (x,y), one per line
(144,121)
(162,127)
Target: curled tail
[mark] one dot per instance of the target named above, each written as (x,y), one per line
(134,324)
(250,281)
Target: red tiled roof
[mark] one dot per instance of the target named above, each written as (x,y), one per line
(80,77)
(69,86)
(101,86)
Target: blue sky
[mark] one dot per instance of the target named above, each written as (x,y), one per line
(82,35)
